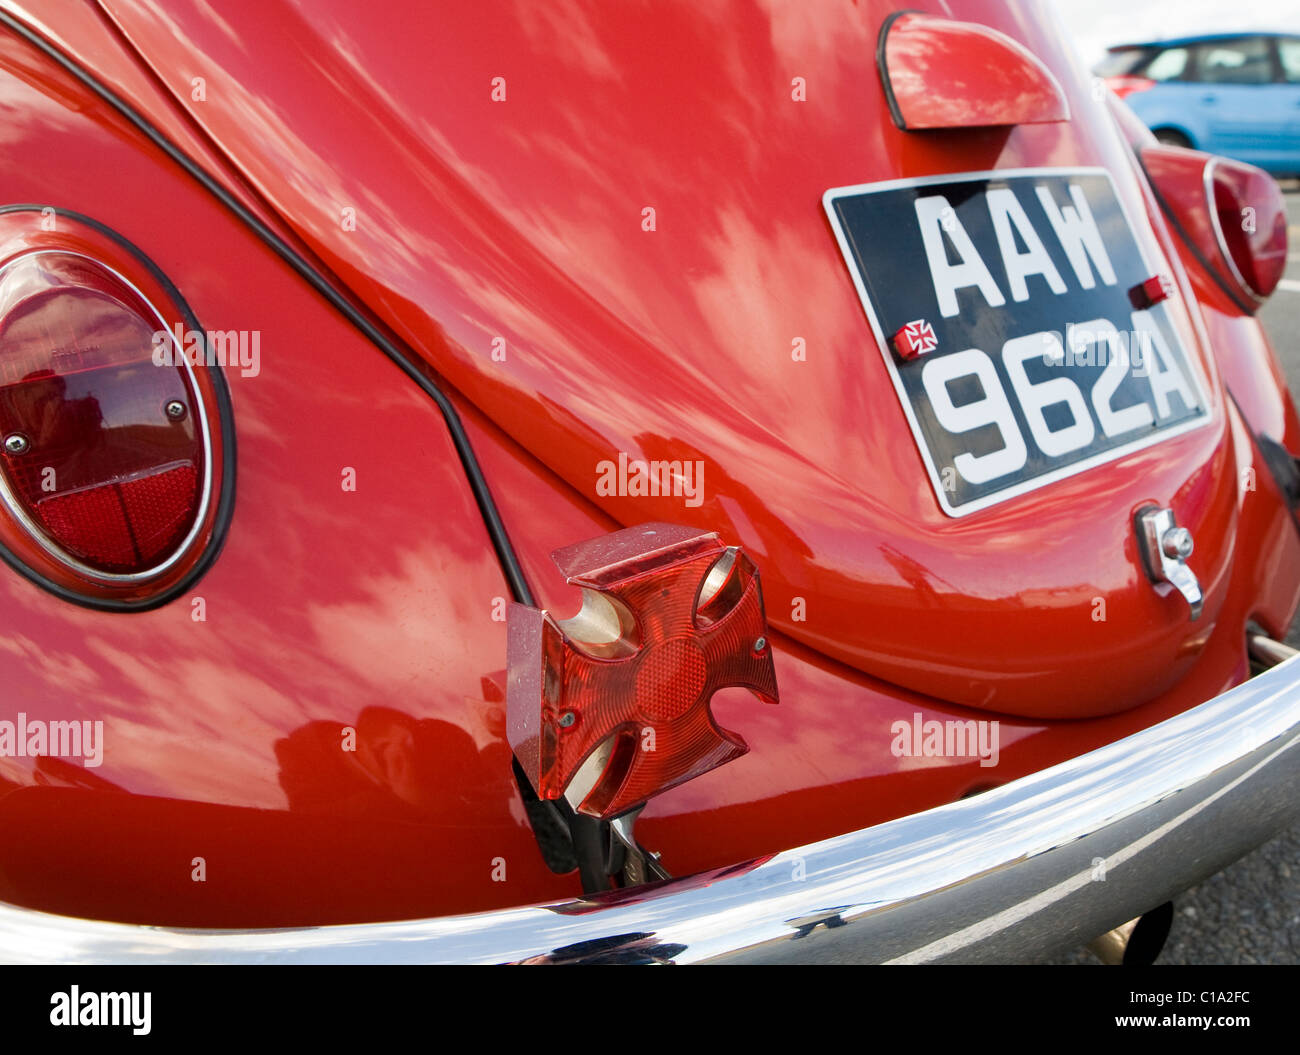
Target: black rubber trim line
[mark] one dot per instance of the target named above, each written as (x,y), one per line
(1181,231)
(882,66)
(225,424)
(478,483)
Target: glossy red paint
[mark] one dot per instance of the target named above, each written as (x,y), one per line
(84,33)
(228,714)
(822,762)
(223,737)
(331,610)
(940,73)
(500,225)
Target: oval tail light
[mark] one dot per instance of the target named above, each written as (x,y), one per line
(1232,215)
(1250,223)
(109,460)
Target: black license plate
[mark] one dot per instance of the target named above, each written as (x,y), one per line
(1029,350)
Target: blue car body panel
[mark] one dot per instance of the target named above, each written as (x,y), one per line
(1257,122)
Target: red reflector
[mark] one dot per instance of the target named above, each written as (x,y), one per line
(611,707)
(158,507)
(91,526)
(103,453)
(1152,291)
(125,525)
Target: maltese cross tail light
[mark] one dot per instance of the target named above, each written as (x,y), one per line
(611,707)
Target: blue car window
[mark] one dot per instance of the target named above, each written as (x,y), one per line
(1169,65)
(1121,61)
(1244,61)
(1289,51)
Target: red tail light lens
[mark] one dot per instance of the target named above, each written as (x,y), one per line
(113,482)
(102,448)
(1233,216)
(611,707)
(1250,218)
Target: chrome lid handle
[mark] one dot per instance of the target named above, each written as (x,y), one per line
(1165,549)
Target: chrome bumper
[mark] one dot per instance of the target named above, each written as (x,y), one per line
(1047,862)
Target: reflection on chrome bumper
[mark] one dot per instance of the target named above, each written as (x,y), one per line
(1047,862)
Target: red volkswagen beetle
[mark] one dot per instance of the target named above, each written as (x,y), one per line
(585,482)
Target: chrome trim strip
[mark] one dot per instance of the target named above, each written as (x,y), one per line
(1043,863)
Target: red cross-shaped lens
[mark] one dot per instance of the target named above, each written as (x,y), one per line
(612,706)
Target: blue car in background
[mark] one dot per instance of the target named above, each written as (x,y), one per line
(1233,94)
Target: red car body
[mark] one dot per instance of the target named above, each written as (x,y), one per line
(473,182)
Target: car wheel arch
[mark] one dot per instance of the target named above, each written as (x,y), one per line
(1174,135)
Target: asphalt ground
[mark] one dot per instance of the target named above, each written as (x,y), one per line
(1250,913)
